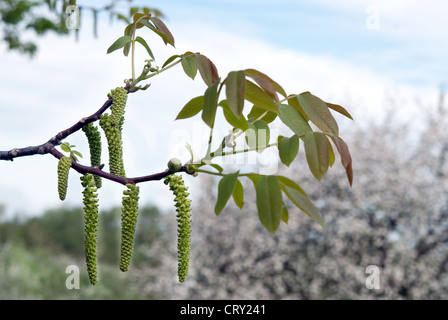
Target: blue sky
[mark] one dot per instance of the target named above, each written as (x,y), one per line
(331,48)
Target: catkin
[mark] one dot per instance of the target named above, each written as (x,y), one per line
(90,201)
(183,208)
(112,125)
(64,165)
(94,140)
(128,224)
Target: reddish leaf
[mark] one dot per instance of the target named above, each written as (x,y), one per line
(270,86)
(207,69)
(346,158)
(164,29)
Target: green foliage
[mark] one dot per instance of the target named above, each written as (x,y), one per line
(288,148)
(226,188)
(64,165)
(128,225)
(183,208)
(90,201)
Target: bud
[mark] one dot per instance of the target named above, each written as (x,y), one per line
(174,165)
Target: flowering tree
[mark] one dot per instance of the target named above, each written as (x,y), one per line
(395,219)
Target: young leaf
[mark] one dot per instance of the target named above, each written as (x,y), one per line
(210,104)
(238,194)
(119,43)
(144,44)
(207,69)
(239,123)
(65,147)
(190,66)
(256,113)
(258,135)
(317,155)
(269,202)
(236,91)
(225,190)
(164,29)
(294,120)
(268,85)
(170,59)
(193,107)
(285,215)
(300,199)
(288,148)
(346,158)
(339,109)
(318,112)
(259,97)
(294,102)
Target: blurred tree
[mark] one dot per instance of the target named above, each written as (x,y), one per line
(396,218)
(18,17)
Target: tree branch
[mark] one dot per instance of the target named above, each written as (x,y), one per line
(49,147)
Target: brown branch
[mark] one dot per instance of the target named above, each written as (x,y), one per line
(123,180)
(49,147)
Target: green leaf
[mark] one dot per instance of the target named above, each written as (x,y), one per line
(318,112)
(317,154)
(225,190)
(119,43)
(300,199)
(217,167)
(258,135)
(127,48)
(145,45)
(285,215)
(294,102)
(238,194)
(259,97)
(294,120)
(268,85)
(65,147)
(210,104)
(269,202)
(288,148)
(236,91)
(77,153)
(207,69)
(339,109)
(239,123)
(193,107)
(190,66)
(256,113)
(160,25)
(170,59)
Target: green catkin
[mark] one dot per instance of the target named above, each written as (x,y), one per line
(128,223)
(94,139)
(112,125)
(64,165)
(183,208)
(90,201)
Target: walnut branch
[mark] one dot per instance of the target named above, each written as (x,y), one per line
(56,140)
(49,147)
